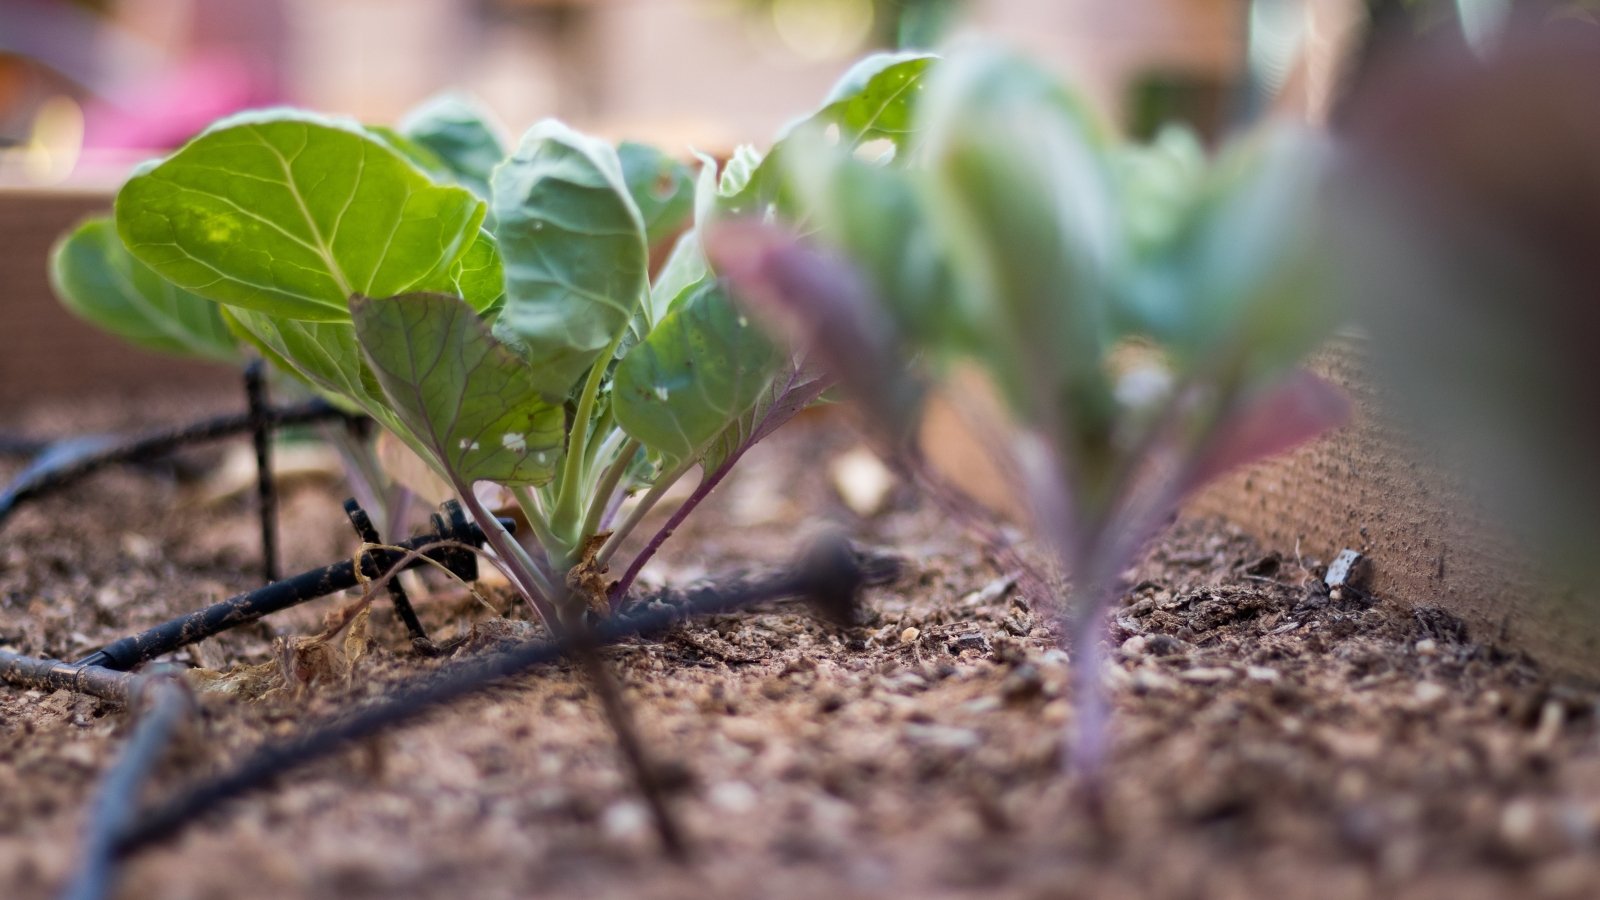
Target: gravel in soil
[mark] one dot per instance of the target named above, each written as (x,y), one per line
(1272,739)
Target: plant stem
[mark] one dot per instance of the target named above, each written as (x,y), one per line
(646,503)
(533,586)
(539,523)
(701,492)
(608,485)
(565,518)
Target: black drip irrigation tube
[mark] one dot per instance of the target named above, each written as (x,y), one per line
(116,802)
(56,471)
(830,575)
(451,544)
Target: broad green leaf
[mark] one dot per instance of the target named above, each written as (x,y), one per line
(461,135)
(660,186)
(468,399)
(325,355)
(1250,259)
(875,98)
(478,275)
(793,389)
(873,101)
(573,246)
(698,371)
(1022,196)
(684,269)
(96,278)
(292,214)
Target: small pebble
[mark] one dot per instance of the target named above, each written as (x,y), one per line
(862,481)
(1134,646)
(733,797)
(1149,681)
(1430,692)
(625,820)
(1207,676)
(1427,647)
(910,635)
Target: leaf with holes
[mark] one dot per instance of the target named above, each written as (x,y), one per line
(700,369)
(468,399)
(660,186)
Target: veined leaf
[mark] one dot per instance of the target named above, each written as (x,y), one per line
(793,389)
(660,186)
(875,98)
(460,133)
(573,245)
(468,399)
(479,276)
(873,101)
(685,268)
(325,355)
(701,368)
(96,278)
(292,214)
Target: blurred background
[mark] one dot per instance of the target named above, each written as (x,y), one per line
(88,85)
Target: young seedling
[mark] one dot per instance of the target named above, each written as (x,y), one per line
(1136,313)
(497,317)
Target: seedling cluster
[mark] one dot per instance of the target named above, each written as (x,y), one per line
(1123,321)
(493,310)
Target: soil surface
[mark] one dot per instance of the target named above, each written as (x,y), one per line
(1271,738)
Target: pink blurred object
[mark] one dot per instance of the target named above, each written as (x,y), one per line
(170,107)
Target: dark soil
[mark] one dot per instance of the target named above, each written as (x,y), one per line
(1271,740)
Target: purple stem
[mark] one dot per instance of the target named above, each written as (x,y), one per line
(803,388)
(701,492)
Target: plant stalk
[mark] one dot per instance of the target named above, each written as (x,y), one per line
(534,587)
(568,512)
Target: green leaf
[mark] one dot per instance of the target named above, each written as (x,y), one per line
(873,101)
(325,355)
(1023,198)
(879,215)
(573,245)
(478,276)
(292,214)
(698,371)
(461,134)
(737,173)
(684,269)
(876,97)
(1251,258)
(793,389)
(98,280)
(467,398)
(660,186)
